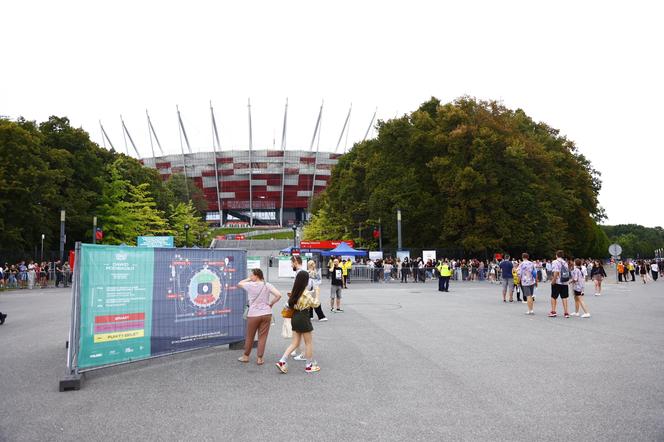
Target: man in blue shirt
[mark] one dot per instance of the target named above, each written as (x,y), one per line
(506,268)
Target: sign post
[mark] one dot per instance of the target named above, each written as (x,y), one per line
(615,250)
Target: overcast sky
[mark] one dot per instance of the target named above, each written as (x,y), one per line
(593,70)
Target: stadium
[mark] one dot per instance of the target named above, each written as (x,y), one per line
(257,187)
(254,187)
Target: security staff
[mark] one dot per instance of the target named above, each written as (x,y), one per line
(445,274)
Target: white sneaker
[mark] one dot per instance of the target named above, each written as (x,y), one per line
(293,353)
(585,315)
(322,320)
(524,302)
(300,357)
(530,312)
(574,314)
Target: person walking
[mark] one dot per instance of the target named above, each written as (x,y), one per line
(632,270)
(446,274)
(578,285)
(559,284)
(654,269)
(300,301)
(348,267)
(643,271)
(259,313)
(527,275)
(315,280)
(506,268)
(405,270)
(335,287)
(597,274)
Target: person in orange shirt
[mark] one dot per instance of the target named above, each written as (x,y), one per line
(621,271)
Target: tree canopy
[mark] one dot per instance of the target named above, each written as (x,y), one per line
(469,175)
(636,241)
(52,166)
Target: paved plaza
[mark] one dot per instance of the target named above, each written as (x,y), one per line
(403,362)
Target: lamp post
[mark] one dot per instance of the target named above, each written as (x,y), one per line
(186,235)
(399,229)
(62,235)
(94,230)
(294,235)
(42,248)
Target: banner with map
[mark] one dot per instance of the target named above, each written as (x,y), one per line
(137,302)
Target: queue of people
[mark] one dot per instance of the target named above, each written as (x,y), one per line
(31,275)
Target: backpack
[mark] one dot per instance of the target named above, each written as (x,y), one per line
(564,274)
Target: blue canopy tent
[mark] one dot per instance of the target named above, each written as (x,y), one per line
(344,249)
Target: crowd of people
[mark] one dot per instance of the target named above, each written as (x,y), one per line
(648,270)
(30,274)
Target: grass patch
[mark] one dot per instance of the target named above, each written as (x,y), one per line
(280,235)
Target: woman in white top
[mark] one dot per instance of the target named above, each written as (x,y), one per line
(315,280)
(259,314)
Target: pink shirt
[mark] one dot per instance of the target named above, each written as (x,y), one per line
(258,297)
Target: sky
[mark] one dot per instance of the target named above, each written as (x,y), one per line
(591,69)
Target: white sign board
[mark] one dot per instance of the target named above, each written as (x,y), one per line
(429,255)
(375,255)
(615,250)
(286,268)
(401,254)
(253,262)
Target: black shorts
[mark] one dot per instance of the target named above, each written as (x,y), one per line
(561,290)
(578,293)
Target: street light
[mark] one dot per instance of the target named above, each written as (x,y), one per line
(42,248)
(186,235)
(294,235)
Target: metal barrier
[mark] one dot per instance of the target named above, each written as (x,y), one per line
(121,313)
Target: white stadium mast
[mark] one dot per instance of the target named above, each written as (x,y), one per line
(105,135)
(344,128)
(251,143)
(370,125)
(184,160)
(317,131)
(216,145)
(126,131)
(283,165)
(151,133)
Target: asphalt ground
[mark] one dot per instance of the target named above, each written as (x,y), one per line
(403,362)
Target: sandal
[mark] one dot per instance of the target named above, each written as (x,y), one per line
(243,359)
(260,361)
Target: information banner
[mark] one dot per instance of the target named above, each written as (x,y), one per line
(286,268)
(429,255)
(253,262)
(139,302)
(155,241)
(401,254)
(375,255)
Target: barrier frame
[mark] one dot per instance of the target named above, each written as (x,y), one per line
(73,375)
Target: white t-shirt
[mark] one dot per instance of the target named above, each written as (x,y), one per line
(654,267)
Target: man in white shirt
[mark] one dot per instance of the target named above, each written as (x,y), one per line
(654,269)
(559,280)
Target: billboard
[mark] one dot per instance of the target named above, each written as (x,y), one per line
(155,241)
(140,302)
(325,244)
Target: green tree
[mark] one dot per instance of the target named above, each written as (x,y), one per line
(182,214)
(27,187)
(469,175)
(179,192)
(129,211)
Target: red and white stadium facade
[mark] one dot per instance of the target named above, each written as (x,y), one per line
(259,187)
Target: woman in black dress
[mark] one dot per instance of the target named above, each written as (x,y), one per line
(301,301)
